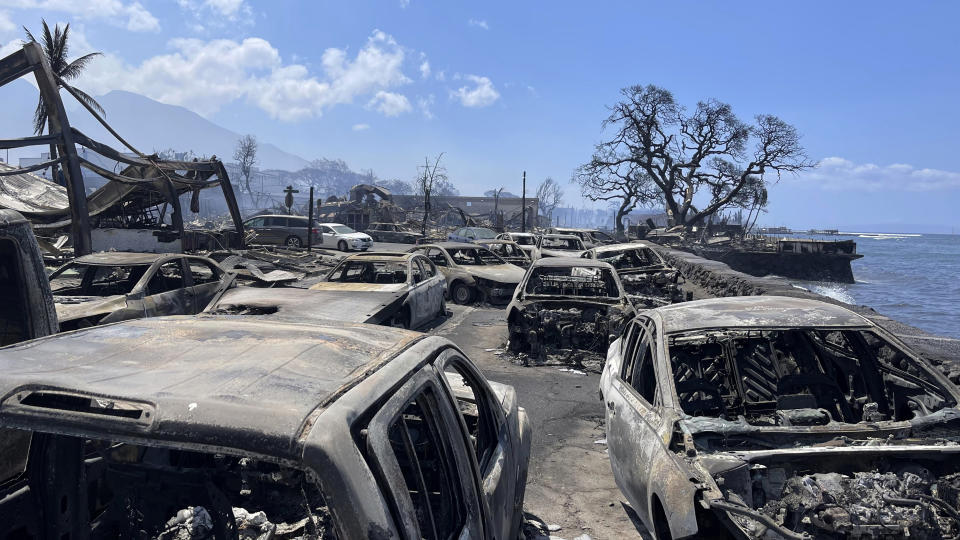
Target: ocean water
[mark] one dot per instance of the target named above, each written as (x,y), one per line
(912,278)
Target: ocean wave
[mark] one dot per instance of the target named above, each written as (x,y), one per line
(830,290)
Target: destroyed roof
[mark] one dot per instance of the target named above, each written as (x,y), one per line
(109,258)
(570,261)
(250,385)
(755,312)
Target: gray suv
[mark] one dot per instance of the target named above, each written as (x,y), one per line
(290,231)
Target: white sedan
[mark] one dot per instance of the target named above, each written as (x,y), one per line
(339,236)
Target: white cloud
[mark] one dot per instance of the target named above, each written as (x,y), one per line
(481,95)
(389,103)
(441,75)
(205,75)
(7,26)
(131,15)
(425,69)
(360,127)
(478,23)
(425,105)
(839,174)
(218,12)
(404,4)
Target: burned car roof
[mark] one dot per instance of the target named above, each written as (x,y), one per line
(571,261)
(249,384)
(621,247)
(382,255)
(755,312)
(124,258)
(453,245)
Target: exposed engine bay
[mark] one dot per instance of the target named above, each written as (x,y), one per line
(653,289)
(129,491)
(801,377)
(856,495)
(548,329)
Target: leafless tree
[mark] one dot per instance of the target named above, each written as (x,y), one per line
(246,156)
(549,197)
(624,185)
(430,176)
(662,153)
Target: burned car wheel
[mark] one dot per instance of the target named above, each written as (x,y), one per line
(401,319)
(293,241)
(462,293)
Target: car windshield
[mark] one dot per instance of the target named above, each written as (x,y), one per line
(602,236)
(524,240)
(562,244)
(474,256)
(800,377)
(382,272)
(342,229)
(584,281)
(639,257)
(78,279)
(482,234)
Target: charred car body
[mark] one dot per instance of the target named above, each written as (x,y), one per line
(115,286)
(647,278)
(527,241)
(566,303)
(558,245)
(408,288)
(509,251)
(591,237)
(27,309)
(473,272)
(391,232)
(227,427)
(758,417)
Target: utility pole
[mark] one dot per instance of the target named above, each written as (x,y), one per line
(310,222)
(523,205)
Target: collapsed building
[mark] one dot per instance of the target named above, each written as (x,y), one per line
(138,209)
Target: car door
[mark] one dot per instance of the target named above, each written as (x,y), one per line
(634,416)
(206,278)
(436,284)
(417,300)
(257,225)
(490,437)
(418,450)
(329,237)
(166,290)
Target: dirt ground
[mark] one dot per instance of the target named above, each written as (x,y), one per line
(570,484)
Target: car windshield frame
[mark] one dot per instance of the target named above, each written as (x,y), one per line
(552,273)
(479,260)
(544,240)
(370,272)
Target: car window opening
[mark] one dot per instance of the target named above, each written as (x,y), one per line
(572,281)
(800,377)
(14,315)
(78,279)
(132,491)
(376,272)
(474,257)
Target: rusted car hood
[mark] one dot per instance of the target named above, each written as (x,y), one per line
(502,273)
(365,287)
(77,307)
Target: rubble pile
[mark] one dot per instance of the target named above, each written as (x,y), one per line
(869,504)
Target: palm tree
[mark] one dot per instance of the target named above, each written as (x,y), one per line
(55,48)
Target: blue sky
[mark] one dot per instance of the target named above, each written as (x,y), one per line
(503,87)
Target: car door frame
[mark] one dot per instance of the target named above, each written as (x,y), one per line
(147,302)
(499,472)
(436,285)
(634,425)
(418,299)
(385,465)
(202,293)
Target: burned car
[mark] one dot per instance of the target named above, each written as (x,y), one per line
(591,237)
(647,278)
(778,417)
(391,232)
(115,286)
(527,241)
(509,251)
(229,427)
(27,310)
(566,303)
(558,245)
(407,288)
(473,272)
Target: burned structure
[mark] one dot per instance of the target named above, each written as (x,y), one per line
(138,209)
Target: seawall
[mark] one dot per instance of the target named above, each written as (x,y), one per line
(716,279)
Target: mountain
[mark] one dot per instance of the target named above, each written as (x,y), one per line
(147,124)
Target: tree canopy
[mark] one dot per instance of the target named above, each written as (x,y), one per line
(696,163)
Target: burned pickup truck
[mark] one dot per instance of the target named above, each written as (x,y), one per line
(228,427)
(567,304)
(776,417)
(647,278)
